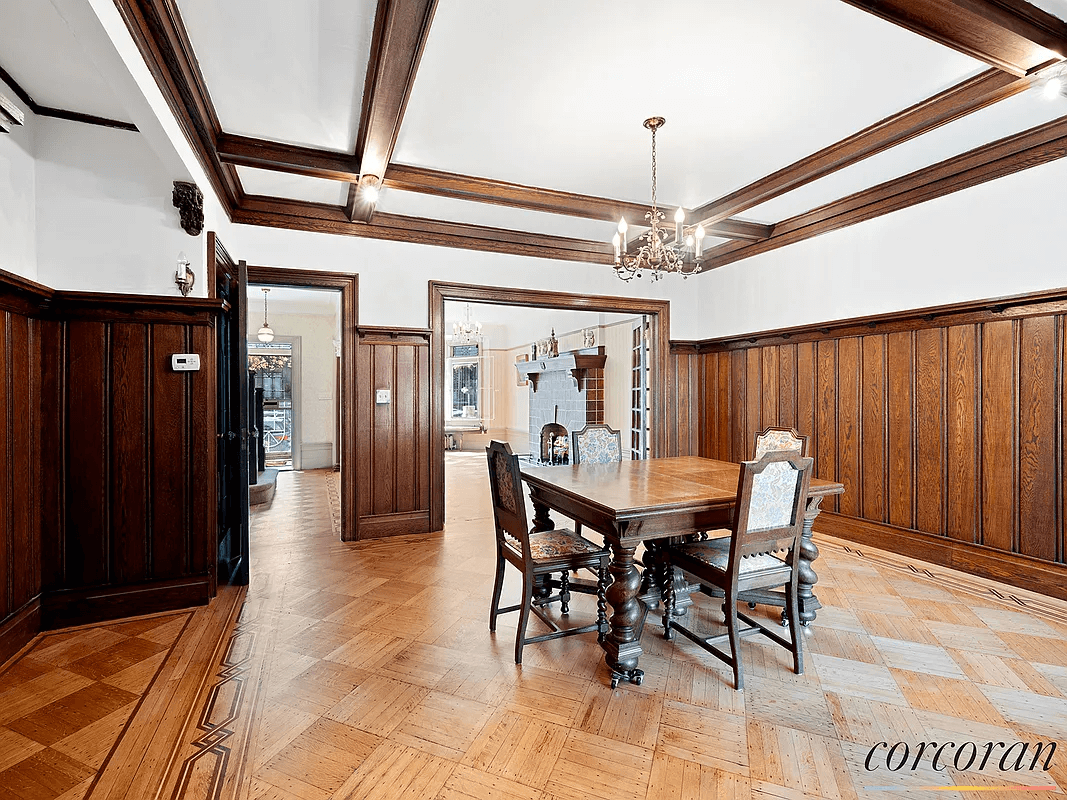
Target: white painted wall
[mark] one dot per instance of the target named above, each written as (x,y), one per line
(18,203)
(393,276)
(318,364)
(1000,238)
(105,219)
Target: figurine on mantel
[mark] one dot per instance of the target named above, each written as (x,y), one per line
(553,345)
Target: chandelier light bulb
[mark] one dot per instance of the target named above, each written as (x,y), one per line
(622,227)
(679,215)
(1053,87)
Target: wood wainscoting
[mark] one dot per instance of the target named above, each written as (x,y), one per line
(21,506)
(135,477)
(944,424)
(107,506)
(393,437)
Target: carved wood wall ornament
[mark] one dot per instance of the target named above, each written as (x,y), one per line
(189,201)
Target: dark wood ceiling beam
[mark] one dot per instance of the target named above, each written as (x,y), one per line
(312,163)
(400,31)
(551,201)
(1009,34)
(1030,148)
(161,37)
(958,101)
(320,218)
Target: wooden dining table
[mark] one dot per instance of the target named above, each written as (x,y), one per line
(650,501)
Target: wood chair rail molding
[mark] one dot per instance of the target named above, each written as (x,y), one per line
(657,310)
(348,285)
(1018,306)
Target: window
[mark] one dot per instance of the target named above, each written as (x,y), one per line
(465,390)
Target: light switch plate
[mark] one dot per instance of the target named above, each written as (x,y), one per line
(381,397)
(185,362)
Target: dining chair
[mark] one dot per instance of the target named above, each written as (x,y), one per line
(778,438)
(537,555)
(596,444)
(763,552)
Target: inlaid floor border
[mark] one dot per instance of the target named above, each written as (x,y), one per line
(947,578)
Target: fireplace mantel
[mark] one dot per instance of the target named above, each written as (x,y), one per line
(574,361)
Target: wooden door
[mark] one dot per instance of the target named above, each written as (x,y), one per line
(233,427)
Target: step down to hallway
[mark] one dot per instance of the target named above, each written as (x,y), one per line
(262,491)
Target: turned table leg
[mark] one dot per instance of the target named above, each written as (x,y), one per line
(623,644)
(806,577)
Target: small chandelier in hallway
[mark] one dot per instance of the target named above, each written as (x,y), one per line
(265,333)
(466,332)
(658,256)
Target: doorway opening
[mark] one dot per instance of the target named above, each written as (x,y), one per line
(308,410)
(467,424)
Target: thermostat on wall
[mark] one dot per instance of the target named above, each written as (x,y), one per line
(185,362)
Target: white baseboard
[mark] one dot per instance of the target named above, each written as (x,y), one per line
(316,455)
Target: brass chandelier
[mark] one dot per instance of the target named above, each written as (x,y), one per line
(657,255)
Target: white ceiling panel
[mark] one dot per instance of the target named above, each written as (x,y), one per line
(287,70)
(415,204)
(1058,8)
(43,55)
(292,187)
(1002,119)
(553,94)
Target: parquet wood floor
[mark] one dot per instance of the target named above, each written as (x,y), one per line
(367,671)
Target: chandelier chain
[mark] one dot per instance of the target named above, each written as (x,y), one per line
(653,173)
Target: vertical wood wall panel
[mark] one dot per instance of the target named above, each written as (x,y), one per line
(753,401)
(849,464)
(787,379)
(169,444)
(8,533)
(422,427)
(129,455)
(1037,437)
(738,406)
(19,463)
(804,421)
(405,399)
(826,414)
(872,441)
(998,435)
(961,416)
(384,445)
(87,555)
(770,386)
(900,413)
(930,431)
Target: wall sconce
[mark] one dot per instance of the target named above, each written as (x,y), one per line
(184,278)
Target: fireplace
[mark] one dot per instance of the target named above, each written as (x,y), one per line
(566,394)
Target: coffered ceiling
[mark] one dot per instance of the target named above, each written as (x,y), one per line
(516,127)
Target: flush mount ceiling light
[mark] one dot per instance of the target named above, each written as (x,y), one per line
(657,256)
(370,188)
(265,333)
(1054,83)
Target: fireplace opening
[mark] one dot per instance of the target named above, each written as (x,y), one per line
(555,442)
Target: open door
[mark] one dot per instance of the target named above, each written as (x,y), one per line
(234,433)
